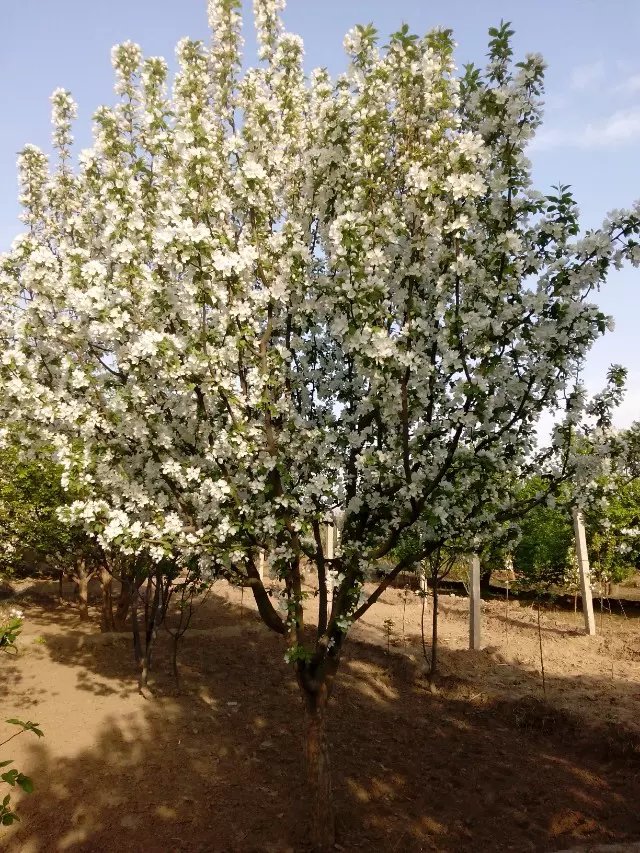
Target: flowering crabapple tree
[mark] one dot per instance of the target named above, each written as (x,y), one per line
(266,296)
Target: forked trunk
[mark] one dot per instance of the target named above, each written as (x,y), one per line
(82,575)
(318,771)
(82,583)
(143,640)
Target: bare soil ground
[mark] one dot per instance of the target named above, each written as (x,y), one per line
(483,764)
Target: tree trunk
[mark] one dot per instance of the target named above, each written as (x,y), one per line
(434,633)
(82,587)
(108,619)
(135,629)
(145,668)
(123,606)
(424,645)
(174,662)
(318,771)
(485,580)
(143,640)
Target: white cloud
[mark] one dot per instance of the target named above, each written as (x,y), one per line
(614,131)
(630,86)
(585,76)
(618,129)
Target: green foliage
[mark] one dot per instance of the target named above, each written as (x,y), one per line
(13,776)
(27,726)
(298,653)
(31,494)
(9,631)
(542,557)
(613,532)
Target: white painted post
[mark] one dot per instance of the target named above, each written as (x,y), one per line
(331,549)
(261,563)
(583,570)
(474,602)
(330,553)
(422,579)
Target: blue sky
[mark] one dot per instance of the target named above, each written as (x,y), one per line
(590,138)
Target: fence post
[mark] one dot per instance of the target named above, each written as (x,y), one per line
(583,570)
(330,555)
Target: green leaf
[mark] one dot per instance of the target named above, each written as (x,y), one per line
(8,819)
(25,783)
(28,726)
(10,777)
(6,763)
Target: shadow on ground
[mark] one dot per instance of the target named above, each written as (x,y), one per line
(219,768)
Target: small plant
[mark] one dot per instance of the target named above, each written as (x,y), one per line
(388,627)
(406,592)
(10,628)
(13,776)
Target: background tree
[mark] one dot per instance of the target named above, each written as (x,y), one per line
(33,535)
(270,296)
(613,528)
(544,552)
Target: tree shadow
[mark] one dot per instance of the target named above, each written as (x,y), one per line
(544,629)
(219,768)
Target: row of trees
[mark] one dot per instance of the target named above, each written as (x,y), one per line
(545,554)
(39,540)
(268,296)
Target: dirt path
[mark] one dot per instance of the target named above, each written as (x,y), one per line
(481,765)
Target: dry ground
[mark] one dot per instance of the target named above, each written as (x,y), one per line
(484,764)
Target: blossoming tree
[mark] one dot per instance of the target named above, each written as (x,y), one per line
(266,296)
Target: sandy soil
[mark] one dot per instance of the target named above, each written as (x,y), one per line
(484,763)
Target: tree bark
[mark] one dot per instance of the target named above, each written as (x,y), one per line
(434,633)
(135,629)
(143,652)
(318,771)
(82,578)
(174,663)
(123,606)
(485,580)
(108,619)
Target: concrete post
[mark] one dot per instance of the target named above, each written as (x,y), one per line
(331,542)
(474,602)
(583,570)
(330,553)
(422,579)
(261,563)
